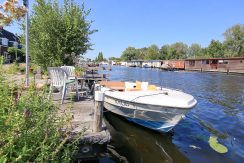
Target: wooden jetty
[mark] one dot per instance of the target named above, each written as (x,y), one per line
(87,118)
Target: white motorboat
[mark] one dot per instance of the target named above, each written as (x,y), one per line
(147,105)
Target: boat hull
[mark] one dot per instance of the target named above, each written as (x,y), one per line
(158,118)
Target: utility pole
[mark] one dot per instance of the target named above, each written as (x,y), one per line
(16,46)
(26,3)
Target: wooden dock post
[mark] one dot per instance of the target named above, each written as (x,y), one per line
(98,113)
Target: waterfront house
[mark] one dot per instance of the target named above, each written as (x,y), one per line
(165,65)
(147,64)
(156,63)
(235,64)
(176,64)
(123,63)
(130,64)
(137,63)
(113,62)
(152,64)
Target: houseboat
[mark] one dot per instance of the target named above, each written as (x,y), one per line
(147,64)
(176,64)
(152,63)
(235,65)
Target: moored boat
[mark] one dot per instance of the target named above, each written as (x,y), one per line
(153,107)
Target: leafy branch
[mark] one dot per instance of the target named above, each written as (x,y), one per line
(10,10)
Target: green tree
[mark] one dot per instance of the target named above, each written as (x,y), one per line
(129,54)
(13,51)
(141,53)
(58,35)
(215,49)
(152,53)
(164,52)
(234,41)
(204,53)
(100,57)
(178,50)
(195,51)
(114,59)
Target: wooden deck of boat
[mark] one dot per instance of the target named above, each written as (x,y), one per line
(116,85)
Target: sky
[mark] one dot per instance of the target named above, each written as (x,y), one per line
(141,23)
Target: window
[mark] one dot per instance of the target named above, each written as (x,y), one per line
(192,63)
(214,62)
(223,62)
(205,62)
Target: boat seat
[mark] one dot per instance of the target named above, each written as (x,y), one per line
(151,88)
(133,86)
(116,85)
(138,85)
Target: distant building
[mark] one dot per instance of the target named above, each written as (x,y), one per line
(123,63)
(7,39)
(152,63)
(176,64)
(216,64)
(113,62)
(135,63)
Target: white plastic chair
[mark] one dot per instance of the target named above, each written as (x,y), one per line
(59,79)
(70,71)
(71,76)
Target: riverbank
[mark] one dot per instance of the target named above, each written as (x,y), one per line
(80,116)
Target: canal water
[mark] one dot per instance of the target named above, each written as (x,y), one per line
(219,113)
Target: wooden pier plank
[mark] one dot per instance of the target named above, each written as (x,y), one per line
(82,113)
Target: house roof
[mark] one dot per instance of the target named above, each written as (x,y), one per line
(137,60)
(6,34)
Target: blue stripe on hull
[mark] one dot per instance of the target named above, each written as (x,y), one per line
(158,126)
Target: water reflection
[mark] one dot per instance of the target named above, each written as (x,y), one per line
(139,144)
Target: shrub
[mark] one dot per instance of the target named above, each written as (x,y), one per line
(20,54)
(31,129)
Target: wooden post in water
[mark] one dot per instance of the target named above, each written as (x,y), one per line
(228,70)
(98,113)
